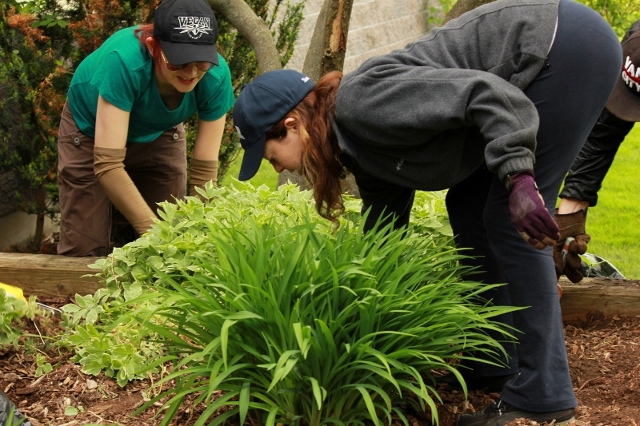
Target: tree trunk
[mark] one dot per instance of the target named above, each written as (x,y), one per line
(327,51)
(41,208)
(328,45)
(253,28)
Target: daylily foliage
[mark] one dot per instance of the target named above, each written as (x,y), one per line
(257,307)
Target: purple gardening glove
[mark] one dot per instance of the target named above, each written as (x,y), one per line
(528,213)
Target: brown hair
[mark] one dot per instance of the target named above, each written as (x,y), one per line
(320,163)
(143,32)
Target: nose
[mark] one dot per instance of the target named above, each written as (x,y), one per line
(190,69)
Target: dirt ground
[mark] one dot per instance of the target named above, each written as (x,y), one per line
(604,358)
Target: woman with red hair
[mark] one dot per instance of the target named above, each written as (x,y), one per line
(493,106)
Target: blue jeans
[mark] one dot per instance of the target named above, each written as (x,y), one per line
(569,94)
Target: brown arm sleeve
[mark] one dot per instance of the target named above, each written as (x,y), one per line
(201,172)
(108,165)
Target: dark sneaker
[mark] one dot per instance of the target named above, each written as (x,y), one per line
(491,384)
(500,413)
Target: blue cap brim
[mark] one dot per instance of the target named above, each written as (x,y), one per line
(252,159)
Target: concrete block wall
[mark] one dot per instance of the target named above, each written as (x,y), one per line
(18,228)
(376,27)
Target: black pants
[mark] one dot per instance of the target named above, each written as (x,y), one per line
(569,94)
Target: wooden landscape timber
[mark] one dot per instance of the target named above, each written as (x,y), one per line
(599,298)
(59,277)
(48,276)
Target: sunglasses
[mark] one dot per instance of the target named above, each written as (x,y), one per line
(201,66)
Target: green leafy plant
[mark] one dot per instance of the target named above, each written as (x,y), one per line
(429,217)
(619,14)
(87,307)
(100,328)
(250,292)
(42,365)
(13,311)
(303,327)
(72,411)
(101,343)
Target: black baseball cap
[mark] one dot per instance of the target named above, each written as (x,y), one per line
(262,103)
(624,101)
(187,30)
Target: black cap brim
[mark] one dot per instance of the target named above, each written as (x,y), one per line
(184,53)
(623,104)
(252,159)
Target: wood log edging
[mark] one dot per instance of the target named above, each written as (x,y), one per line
(599,298)
(59,277)
(47,275)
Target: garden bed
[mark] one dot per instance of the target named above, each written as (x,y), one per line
(602,334)
(604,358)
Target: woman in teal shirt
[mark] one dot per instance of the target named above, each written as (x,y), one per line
(121,137)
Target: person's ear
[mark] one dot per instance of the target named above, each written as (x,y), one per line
(151,44)
(291,124)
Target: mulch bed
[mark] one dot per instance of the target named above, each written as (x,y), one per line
(604,357)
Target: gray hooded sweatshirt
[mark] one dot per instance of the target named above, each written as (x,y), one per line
(425,117)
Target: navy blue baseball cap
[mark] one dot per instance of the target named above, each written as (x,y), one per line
(262,103)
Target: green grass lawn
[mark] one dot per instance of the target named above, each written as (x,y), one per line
(265,176)
(614,224)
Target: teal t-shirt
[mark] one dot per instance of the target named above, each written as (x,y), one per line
(121,71)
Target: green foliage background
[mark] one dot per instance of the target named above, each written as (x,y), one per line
(620,14)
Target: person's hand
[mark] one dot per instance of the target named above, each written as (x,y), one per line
(571,244)
(528,213)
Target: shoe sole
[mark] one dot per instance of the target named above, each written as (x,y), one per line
(503,421)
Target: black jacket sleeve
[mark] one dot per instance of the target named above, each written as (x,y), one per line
(592,164)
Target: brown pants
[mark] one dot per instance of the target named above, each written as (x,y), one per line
(158,169)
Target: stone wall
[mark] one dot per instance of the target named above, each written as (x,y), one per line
(376,27)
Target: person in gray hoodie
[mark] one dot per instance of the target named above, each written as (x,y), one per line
(493,106)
